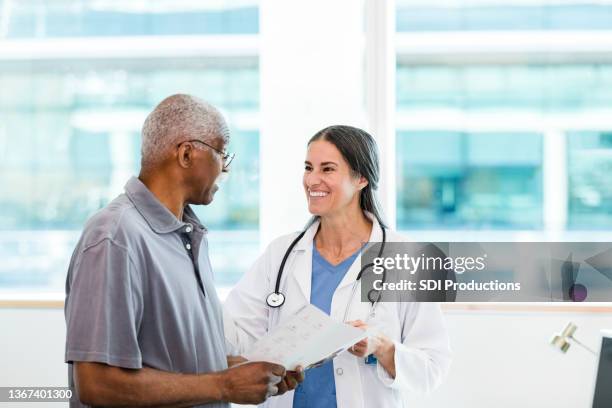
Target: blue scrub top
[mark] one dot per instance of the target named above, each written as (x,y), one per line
(319,388)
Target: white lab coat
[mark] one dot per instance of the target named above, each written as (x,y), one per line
(422,353)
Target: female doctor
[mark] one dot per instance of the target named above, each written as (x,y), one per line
(411,349)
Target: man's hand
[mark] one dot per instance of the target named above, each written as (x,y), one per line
(252,382)
(291,380)
(245,383)
(235,360)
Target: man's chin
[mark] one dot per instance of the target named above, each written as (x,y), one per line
(210,196)
(206,196)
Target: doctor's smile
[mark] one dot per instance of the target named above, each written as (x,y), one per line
(317,193)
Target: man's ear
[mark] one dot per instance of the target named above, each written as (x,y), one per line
(185,155)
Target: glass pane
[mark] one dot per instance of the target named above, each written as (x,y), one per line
(453,180)
(86,18)
(477,15)
(70,139)
(527,88)
(538,97)
(589,169)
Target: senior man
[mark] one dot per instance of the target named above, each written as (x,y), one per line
(144,324)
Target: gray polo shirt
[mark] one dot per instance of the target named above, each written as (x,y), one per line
(139,291)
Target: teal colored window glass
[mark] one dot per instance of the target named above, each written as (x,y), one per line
(70,139)
(109,18)
(589,188)
(526,88)
(451,180)
(513,15)
(444,193)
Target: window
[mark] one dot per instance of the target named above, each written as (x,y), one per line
(112,18)
(590,190)
(502,124)
(502,115)
(70,122)
(511,15)
(469,180)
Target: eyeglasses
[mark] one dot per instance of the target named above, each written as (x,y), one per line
(227,157)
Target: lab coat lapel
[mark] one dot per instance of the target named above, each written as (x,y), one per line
(301,261)
(351,275)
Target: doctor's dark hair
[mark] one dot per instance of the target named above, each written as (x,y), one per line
(359,150)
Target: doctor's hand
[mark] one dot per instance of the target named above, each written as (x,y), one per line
(380,345)
(366,346)
(362,348)
(251,382)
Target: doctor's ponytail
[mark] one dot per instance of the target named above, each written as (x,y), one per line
(359,150)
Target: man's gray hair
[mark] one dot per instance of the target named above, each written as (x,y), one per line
(176,119)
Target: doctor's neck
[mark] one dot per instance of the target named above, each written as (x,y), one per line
(345,228)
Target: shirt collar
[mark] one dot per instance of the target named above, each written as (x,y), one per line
(159,218)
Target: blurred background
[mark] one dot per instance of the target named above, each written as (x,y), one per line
(503,117)
(494,119)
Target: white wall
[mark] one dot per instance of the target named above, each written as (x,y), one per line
(501,359)
(311,77)
(504,360)
(32,348)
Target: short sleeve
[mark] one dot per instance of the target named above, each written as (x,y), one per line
(103,307)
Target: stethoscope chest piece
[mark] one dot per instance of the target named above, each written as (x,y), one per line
(275,299)
(374,296)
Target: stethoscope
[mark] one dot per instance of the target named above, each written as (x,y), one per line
(277,298)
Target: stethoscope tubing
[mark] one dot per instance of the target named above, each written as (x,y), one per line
(277,299)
